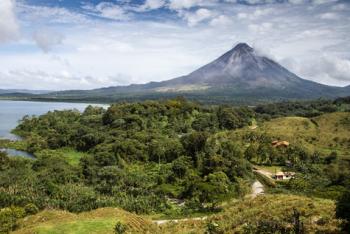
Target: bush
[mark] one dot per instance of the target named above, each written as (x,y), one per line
(75,198)
(120,228)
(343,209)
(9,217)
(31,209)
(213,228)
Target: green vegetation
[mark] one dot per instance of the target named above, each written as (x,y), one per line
(279,214)
(102,220)
(137,156)
(176,158)
(286,213)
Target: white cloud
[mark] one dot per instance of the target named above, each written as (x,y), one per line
(9,28)
(111,11)
(183,4)
(297,1)
(261,28)
(198,16)
(47,39)
(54,15)
(221,20)
(329,16)
(256,14)
(152,4)
(108,10)
(339,7)
(323,1)
(325,69)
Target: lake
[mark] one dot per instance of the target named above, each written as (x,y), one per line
(13,111)
(13,152)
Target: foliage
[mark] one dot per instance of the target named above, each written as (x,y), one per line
(286,214)
(120,228)
(343,209)
(9,217)
(144,156)
(132,155)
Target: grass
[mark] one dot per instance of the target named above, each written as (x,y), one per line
(325,133)
(72,156)
(317,215)
(79,227)
(101,221)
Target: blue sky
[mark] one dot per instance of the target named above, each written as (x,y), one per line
(70,44)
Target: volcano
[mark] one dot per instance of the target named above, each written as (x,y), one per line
(239,74)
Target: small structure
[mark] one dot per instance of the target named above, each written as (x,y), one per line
(280,143)
(283,175)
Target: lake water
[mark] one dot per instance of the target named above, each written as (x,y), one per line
(13,152)
(13,111)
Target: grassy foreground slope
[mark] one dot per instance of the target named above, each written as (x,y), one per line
(97,221)
(325,133)
(269,211)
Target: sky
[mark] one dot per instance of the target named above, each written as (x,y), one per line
(81,44)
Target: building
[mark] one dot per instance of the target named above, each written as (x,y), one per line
(283,175)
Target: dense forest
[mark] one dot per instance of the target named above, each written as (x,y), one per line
(173,157)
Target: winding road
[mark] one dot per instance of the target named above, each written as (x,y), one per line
(257,189)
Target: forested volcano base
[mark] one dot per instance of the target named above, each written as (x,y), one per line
(176,158)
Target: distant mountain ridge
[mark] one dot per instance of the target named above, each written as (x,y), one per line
(23,91)
(241,74)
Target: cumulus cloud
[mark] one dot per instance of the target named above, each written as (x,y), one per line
(261,28)
(152,4)
(56,15)
(256,14)
(180,4)
(198,16)
(47,39)
(221,20)
(108,10)
(329,16)
(323,1)
(325,69)
(9,28)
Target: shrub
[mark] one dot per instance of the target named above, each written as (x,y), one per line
(31,209)
(9,217)
(120,228)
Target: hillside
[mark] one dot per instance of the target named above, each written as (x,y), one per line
(325,133)
(97,221)
(317,215)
